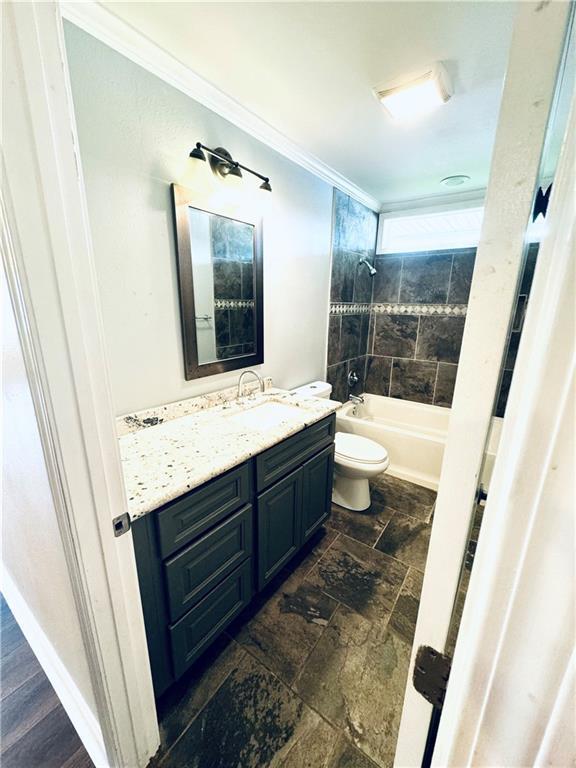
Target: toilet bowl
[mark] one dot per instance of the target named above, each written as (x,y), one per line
(356,460)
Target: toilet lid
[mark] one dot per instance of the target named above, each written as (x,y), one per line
(359,448)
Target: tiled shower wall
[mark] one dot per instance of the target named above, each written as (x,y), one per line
(232,256)
(353,238)
(403,337)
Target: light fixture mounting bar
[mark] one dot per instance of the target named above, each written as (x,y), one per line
(230,161)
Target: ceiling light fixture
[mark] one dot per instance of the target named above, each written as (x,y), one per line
(224,165)
(417,97)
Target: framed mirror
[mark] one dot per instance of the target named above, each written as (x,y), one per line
(220,282)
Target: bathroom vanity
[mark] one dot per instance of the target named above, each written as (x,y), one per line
(202,556)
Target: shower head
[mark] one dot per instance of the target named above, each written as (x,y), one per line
(372,270)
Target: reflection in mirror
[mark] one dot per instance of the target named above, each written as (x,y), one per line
(220,270)
(223,276)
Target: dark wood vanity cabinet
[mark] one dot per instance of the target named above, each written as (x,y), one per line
(201,558)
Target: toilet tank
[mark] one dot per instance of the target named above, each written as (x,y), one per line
(313,389)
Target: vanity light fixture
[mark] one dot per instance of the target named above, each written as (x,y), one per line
(417,97)
(223,164)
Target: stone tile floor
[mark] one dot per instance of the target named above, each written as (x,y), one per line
(312,675)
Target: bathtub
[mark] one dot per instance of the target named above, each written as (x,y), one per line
(414,434)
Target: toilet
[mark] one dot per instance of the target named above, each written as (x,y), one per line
(356,459)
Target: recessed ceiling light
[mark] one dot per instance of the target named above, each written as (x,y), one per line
(417,97)
(455,181)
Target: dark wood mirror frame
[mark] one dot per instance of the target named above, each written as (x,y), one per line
(183,199)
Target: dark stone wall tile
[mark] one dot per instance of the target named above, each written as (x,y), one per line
(378,375)
(364,333)
(371,328)
(440,338)
(343,274)
(512,351)
(339,216)
(461,278)
(529,267)
(363,281)
(425,278)
(227,279)
(503,393)
(247,280)
(353,237)
(362,224)
(350,337)
(445,383)
(358,365)
(387,279)
(413,380)
(222,326)
(336,376)
(395,335)
(334,325)
(241,326)
(231,239)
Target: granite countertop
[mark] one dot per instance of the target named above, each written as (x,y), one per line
(167,459)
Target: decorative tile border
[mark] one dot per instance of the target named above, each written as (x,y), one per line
(233,303)
(454,310)
(349,309)
(450,310)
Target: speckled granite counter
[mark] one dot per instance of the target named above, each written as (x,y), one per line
(162,460)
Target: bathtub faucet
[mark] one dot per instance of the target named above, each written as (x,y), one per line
(356,399)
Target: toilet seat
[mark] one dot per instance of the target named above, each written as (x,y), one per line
(354,448)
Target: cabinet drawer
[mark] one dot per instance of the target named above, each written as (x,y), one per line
(192,573)
(189,517)
(276,462)
(190,636)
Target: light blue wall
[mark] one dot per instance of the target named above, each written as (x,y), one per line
(135,135)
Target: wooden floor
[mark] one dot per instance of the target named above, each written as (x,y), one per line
(35,731)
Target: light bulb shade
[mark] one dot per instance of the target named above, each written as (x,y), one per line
(266,186)
(197,154)
(234,171)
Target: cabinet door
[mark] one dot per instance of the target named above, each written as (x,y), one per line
(279,526)
(316,491)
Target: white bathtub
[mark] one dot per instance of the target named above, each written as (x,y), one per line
(414,434)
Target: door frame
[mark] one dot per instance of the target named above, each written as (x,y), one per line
(50,272)
(535,53)
(509,576)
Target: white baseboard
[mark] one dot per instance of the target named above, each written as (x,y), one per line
(82,717)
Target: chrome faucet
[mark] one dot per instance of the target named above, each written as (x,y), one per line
(356,399)
(244,373)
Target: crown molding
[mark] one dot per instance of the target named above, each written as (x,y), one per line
(109,29)
(465,199)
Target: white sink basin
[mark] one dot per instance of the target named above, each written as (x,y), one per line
(265,416)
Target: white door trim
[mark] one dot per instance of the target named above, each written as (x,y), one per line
(535,53)
(102,24)
(51,278)
(504,576)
